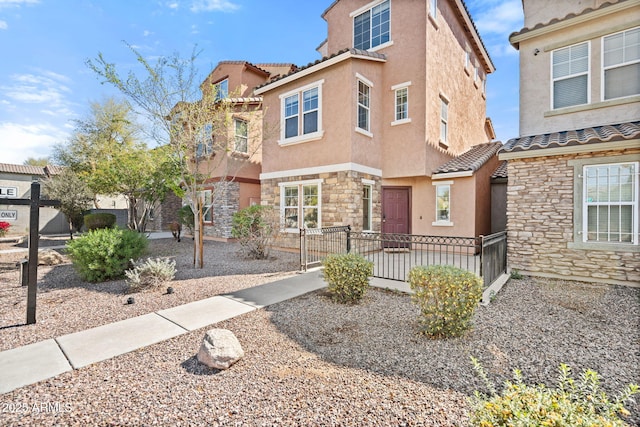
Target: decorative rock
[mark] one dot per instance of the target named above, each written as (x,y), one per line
(220,349)
(49,257)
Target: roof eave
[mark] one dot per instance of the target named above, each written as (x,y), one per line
(569,149)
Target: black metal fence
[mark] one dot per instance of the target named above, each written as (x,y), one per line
(394,255)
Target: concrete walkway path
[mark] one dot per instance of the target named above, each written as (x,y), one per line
(36,362)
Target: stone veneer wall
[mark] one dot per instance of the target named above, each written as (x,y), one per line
(226,203)
(540,225)
(341,200)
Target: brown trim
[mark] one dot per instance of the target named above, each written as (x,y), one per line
(232,179)
(220,80)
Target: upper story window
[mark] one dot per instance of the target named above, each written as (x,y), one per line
(621,64)
(401,106)
(302,114)
(364,102)
(204,141)
(444,121)
(222,89)
(371,28)
(433,8)
(241,136)
(610,210)
(570,76)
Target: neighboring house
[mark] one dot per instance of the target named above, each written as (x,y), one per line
(239,169)
(573,191)
(15,183)
(368,136)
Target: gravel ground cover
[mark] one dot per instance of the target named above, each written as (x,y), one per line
(309,361)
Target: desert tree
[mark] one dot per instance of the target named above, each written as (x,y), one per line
(197,125)
(74,195)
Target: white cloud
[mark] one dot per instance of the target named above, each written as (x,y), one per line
(3,25)
(13,3)
(500,18)
(29,140)
(147,33)
(213,6)
(173,5)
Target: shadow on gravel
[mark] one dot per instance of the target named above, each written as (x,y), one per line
(194,367)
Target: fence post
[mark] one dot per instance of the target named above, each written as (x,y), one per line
(303,250)
(348,239)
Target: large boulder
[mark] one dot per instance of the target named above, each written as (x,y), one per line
(49,257)
(220,349)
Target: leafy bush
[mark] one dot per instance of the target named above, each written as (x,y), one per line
(347,276)
(447,297)
(4,228)
(570,404)
(254,227)
(186,218)
(98,220)
(150,273)
(105,253)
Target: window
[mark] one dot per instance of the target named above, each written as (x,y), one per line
(363,106)
(433,8)
(402,103)
(467,59)
(222,89)
(570,75)
(621,64)
(241,136)
(444,120)
(443,203)
(301,112)
(610,212)
(367,207)
(372,27)
(300,205)
(204,139)
(207,211)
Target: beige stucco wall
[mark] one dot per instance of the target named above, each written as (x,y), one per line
(536,113)
(543,11)
(540,224)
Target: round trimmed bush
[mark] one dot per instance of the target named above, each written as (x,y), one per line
(105,253)
(447,297)
(347,276)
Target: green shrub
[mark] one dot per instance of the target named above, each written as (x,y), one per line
(186,218)
(570,404)
(447,297)
(98,220)
(105,253)
(347,276)
(254,227)
(150,273)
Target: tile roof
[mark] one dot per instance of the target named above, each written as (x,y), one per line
(592,135)
(556,20)
(30,170)
(501,171)
(472,159)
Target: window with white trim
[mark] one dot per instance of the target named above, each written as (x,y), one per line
(610,203)
(364,102)
(367,206)
(241,136)
(300,205)
(204,141)
(443,203)
(621,64)
(570,76)
(402,103)
(444,120)
(372,28)
(302,113)
(222,89)
(206,198)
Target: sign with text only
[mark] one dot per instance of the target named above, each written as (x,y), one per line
(8,215)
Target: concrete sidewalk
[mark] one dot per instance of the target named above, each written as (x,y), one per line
(36,362)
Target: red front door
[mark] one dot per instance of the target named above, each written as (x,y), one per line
(396,205)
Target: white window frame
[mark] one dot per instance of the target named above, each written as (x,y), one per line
(220,95)
(363,82)
(207,208)
(300,205)
(301,137)
(367,184)
(367,9)
(624,63)
(587,203)
(444,120)
(244,137)
(397,88)
(571,76)
(204,141)
(442,222)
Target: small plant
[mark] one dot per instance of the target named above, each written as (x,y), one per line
(150,273)
(347,276)
(105,253)
(254,227)
(570,404)
(4,228)
(186,218)
(447,297)
(98,220)
(515,274)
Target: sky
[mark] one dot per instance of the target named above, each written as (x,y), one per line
(44,44)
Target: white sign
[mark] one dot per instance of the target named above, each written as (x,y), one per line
(8,215)
(6,192)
